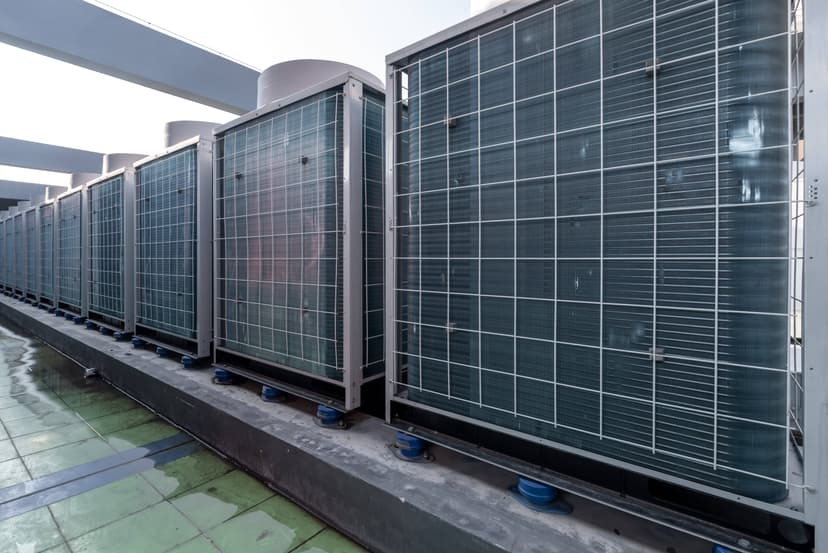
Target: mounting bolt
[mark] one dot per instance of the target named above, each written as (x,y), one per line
(90,372)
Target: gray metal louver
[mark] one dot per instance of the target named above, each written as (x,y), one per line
(47,252)
(110,228)
(298,290)
(173,247)
(3,258)
(70,251)
(591,214)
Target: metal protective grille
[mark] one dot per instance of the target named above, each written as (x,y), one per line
(47,251)
(279,231)
(30,221)
(106,247)
(3,263)
(592,225)
(69,249)
(166,192)
(10,266)
(20,250)
(373,245)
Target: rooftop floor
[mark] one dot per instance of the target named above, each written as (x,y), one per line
(84,468)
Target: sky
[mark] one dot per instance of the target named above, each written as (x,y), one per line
(58,103)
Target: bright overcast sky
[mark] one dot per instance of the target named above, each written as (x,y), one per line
(58,103)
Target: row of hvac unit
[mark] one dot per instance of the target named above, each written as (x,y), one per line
(569,235)
(291,226)
(128,251)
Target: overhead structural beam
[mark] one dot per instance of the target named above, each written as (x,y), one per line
(14,190)
(46,157)
(80,33)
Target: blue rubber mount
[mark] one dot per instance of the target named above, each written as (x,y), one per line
(721,549)
(105,331)
(68,316)
(90,325)
(118,335)
(540,497)
(328,416)
(162,352)
(272,395)
(78,320)
(187,361)
(58,313)
(51,310)
(138,343)
(410,446)
(222,377)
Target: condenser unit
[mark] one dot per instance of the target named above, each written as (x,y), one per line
(46,266)
(589,233)
(173,245)
(19,266)
(9,268)
(109,250)
(71,252)
(299,241)
(32,253)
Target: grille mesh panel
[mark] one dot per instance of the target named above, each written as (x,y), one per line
(106,247)
(69,250)
(166,243)
(47,251)
(592,210)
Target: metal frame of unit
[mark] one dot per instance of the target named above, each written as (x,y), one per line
(50,300)
(20,269)
(126,323)
(201,346)
(812,506)
(60,301)
(32,287)
(352,255)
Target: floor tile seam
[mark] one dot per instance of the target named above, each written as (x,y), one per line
(110,522)
(16,451)
(59,529)
(324,527)
(204,531)
(182,492)
(163,500)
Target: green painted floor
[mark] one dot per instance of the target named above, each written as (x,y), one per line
(52,420)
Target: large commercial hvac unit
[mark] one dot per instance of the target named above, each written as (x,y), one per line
(46,248)
(70,253)
(173,243)
(299,253)
(19,265)
(8,269)
(589,226)
(30,228)
(109,227)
